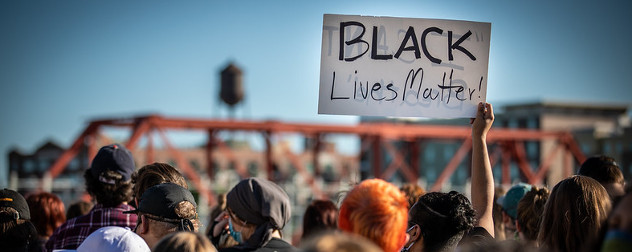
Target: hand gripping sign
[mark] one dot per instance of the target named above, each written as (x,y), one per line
(403,67)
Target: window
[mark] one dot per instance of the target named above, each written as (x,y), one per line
(43,165)
(513,123)
(28,166)
(448,152)
(533,123)
(429,153)
(73,165)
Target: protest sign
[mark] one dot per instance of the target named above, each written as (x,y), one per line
(404,67)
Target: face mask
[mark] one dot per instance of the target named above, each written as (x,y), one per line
(406,249)
(236,235)
(616,240)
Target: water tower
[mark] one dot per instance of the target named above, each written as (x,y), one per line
(231,87)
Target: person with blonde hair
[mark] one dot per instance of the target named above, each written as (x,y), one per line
(163,209)
(378,211)
(184,242)
(529,213)
(574,213)
(154,174)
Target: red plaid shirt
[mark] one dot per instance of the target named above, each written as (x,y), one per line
(72,233)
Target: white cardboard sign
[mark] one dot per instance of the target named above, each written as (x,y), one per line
(404,67)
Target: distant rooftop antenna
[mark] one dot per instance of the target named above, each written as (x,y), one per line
(231,89)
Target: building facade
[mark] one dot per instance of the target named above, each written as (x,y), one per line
(597,128)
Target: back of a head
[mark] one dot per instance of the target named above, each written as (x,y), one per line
(47,212)
(338,242)
(412,191)
(573,214)
(509,201)
(113,239)
(617,235)
(378,211)
(261,203)
(17,233)
(530,210)
(169,207)
(443,219)
(78,208)
(184,242)
(320,215)
(499,227)
(109,177)
(604,169)
(153,174)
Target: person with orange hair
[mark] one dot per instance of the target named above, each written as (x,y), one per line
(47,214)
(378,211)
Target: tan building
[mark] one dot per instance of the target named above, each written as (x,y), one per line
(591,125)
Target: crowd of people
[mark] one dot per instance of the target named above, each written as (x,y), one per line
(151,209)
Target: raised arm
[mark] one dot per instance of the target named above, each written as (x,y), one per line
(482,178)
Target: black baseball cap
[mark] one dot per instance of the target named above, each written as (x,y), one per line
(113,157)
(161,200)
(12,199)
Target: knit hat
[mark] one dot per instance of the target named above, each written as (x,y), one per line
(509,201)
(12,199)
(113,157)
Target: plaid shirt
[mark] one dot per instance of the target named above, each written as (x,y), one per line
(72,233)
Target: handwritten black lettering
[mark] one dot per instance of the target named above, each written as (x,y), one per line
(389,87)
(333,84)
(374,54)
(457,45)
(389,91)
(449,87)
(376,87)
(356,40)
(412,75)
(471,91)
(428,94)
(424,46)
(410,34)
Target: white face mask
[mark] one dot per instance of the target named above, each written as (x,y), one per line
(406,249)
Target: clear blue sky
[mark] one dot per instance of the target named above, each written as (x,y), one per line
(63,63)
